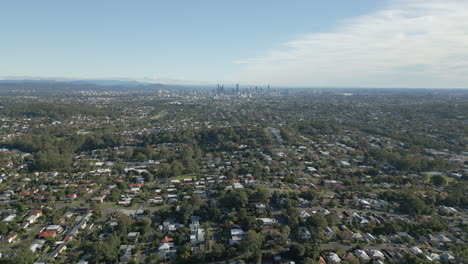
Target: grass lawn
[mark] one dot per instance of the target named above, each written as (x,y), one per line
(449,179)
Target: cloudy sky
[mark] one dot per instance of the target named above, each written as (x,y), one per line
(364,43)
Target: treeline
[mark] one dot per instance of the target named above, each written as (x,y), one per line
(413,204)
(416,140)
(215,139)
(52,110)
(53,150)
(406,161)
(317,127)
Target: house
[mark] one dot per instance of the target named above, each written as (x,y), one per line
(260,207)
(376,254)
(333,258)
(267,221)
(126,201)
(236,236)
(368,237)
(99,199)
(11,237)
(350,257)
(329,232)
(9,218)
(55,228)
(446,257)
(169,226)
(365,204)
(172,198)
(321,260)
(304,214)
(358,236)
(238,185)
(167,239)
(37,244)
(47,233)
(126,253)
(447,210)
(35,214)
(304,233)
(158,199)
(443,238)
(362,254)
(434,256)
(415,250)
(135,189)
(133,236)
(404,234)
(197,234)
(31,219)
(167,249)
(324,211)
(39,197)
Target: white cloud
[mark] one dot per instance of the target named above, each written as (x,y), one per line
(410,43)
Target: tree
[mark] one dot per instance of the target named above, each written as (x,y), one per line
(3,228)
(125,222)
(188,207)
(293,216)
(332,219)
(263,193)
(296,252)
(155,258)
(218,251)
(317,220)
(251,244)
(413,205)
(145,225)
(183,253)
(235,199)
(21,255)
(310,194)
(413,259)
(309,261)
(177,168)
(50,240)
(20,207)
(439,180)
(285,232)
(114,195)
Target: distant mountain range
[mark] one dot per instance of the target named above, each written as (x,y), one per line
(51,86)
(91,81)
(14,87)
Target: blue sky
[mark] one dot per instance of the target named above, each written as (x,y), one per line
(385,43)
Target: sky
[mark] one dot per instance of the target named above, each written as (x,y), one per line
(304,43)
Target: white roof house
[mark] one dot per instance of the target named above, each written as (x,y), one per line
(376,254)
(236,236)
(416,250)
(333,258)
